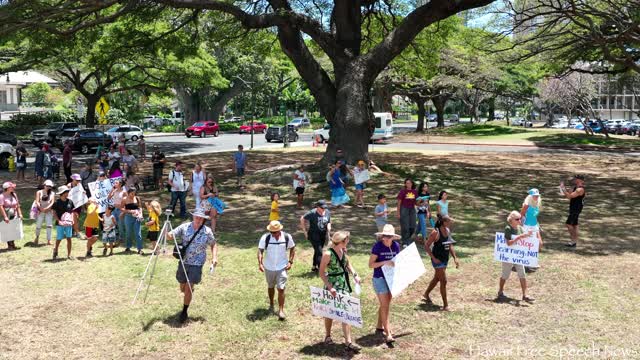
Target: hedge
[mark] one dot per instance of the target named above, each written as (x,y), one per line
(23,124)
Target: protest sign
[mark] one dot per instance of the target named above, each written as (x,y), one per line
(361,176)
(408,268)
(78,196)
(11,231)
(343,308)
(523,252)
(100,191)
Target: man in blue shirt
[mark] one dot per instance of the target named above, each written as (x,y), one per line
(239,164)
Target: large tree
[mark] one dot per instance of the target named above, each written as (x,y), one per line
(335,26)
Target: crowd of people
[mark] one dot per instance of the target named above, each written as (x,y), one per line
(421,218)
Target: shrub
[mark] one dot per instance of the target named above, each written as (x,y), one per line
(169,128)
(23,124)
(229,126)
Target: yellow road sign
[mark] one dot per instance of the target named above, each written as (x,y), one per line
(102,120)
(102,107)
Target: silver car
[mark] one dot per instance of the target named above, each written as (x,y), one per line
(130,132)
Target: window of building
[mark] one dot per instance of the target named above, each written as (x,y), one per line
(3,97)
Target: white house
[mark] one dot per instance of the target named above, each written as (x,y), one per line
(12,83)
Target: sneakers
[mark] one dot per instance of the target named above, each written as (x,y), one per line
(501,296)
(571,245)
(183,317)
(353,348)
(140,252)
(127,250)
(528,299)
(281,316)
(89,254)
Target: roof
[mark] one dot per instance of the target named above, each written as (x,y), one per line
(25,78)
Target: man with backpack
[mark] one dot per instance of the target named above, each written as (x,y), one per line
(178,189)
(274,262)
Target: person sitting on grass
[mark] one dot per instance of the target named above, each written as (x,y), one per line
(62,211)
(442,243)
(514,228)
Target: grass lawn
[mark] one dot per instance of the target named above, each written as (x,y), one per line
(499,133)
(585,298)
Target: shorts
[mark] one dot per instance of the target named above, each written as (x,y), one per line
(240,171)
(152,235)
(380,227)
(506,270)
(276,278)
(573,219)
(109,237)
(442,265)
(20,165)
(300,190)
(89,231)
(157,173)
(194,273)
(380,285)
(361,186)
(63,232)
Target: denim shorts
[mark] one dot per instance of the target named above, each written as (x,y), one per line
(194,272)
(240,171)
(380,286)
(63,232)
(442,265)
(361,186)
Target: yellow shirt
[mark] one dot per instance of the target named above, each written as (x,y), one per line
(156,221)
(274,214)
(92,220)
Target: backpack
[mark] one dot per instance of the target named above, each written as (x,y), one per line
(46,160)
(286,236)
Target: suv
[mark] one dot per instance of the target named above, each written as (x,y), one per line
(202,129)
(322,134)
(8,138)
(84,140)
(49,133)
(130,132)
(6,151)
(276,133)
(300,122)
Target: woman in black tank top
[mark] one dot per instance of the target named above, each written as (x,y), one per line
(133,221)
(440,239)
(576,203)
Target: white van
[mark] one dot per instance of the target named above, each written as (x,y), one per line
(384,126)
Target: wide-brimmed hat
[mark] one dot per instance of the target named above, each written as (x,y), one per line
(534,192)
(321,204)
(48,183)
(579,177)
(76,177)
(388,230)
(200,213)
(8,184)
(62,189)
(274,226)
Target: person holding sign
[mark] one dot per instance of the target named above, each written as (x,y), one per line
(512,233)
(274,262)
(383,251)
(576,203)
(440,239)
(10,207)
(76,180)
(62,211)
(361,176)
(334,272)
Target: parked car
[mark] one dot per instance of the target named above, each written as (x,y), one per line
(499,116)
(613,128)
(432,117)
(276,133)
(453,118)
(633,129)
(8,138)
(50,132)
(300,122)
(84,140)
(6,151)
(130,132)
(523,122)
(323,133)
(202,129)
(258,127)
(560,125)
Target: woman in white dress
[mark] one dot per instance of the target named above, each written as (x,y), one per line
(197,181)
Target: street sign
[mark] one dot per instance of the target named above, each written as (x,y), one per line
(102,108)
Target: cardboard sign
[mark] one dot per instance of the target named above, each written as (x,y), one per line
(342,308)
(78,196)
(523,252)
(408,268)
(100,191)
(12,230)
(362,176)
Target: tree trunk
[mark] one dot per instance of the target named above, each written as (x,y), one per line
(421,113)
(90,119)
(382,99)
(439,103)
(492,109)
(223,98)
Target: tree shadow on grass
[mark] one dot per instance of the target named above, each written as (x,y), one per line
(335,350)
(259,314)
(172,321)
(428,307)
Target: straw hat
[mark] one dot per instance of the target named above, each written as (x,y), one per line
(200,213)
(62,189)
(388,230)
(274,226)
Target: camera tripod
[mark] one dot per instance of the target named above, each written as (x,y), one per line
(160,244)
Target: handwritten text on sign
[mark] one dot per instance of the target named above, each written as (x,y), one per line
(523,252)
(100,190)
(343,308)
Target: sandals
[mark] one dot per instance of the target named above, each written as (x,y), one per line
(328,341)
(353,347)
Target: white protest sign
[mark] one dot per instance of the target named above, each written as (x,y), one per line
(523,252)
(100,190)
(78,196)
(361,176)
(343,308)
(408,268)
(12,230)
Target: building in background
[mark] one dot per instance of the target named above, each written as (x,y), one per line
(12,83)
(616,100)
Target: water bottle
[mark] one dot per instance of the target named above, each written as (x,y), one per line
(212,269)
(358,289)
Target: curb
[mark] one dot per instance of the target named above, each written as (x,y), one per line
(559,147)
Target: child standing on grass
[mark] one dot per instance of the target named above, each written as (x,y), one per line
(153,222)
(381,212)
(275,212)
(443,204)
(91,225)
(109,230)
(142,148)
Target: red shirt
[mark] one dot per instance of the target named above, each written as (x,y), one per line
(408,198)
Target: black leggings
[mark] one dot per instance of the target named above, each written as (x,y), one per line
(317,241)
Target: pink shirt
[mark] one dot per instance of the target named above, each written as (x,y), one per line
(8,202)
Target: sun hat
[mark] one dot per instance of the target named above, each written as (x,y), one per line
(200,213)
(274,226)
(321,204)
(48,183)
(62,189)
(579,177)
(388,230)
(534,192)
(76,177)
(8,184)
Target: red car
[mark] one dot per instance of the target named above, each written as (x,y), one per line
(202,129)
(258,127)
